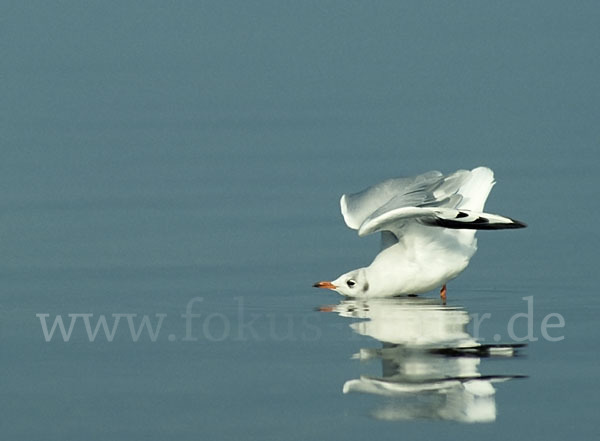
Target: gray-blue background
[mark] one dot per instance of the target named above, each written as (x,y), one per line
(153,152)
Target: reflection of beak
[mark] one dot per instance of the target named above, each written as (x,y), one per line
(327,285)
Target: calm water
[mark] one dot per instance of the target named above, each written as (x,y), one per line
(183,162)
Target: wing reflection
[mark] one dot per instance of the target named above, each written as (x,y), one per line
(430,363)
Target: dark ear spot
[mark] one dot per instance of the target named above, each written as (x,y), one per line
(366,286)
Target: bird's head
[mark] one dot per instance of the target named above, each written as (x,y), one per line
(351,284)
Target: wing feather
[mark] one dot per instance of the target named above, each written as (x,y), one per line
(405,191)
(437,217)
(453,201)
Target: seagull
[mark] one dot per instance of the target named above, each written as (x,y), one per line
(427,225)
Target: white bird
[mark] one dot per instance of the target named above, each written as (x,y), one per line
(430,363)
(427,224)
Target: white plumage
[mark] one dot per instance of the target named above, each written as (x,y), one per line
(427,223)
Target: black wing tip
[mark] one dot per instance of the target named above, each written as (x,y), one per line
(518,224)
(480,223)
(513,225)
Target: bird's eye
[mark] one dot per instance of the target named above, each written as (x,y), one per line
(350,283)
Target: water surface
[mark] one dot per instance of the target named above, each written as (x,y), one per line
(184,162)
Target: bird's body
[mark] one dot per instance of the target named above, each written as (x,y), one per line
(428,226)
(419,262)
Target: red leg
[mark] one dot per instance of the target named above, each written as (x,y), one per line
(443,294)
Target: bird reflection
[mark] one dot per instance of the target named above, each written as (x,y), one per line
(430,363)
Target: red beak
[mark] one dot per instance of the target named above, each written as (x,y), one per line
(327,285)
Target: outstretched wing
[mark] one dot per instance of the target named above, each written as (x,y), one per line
(432,199)
(393,220)
(405,191)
